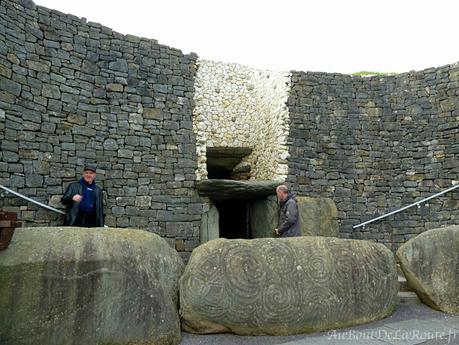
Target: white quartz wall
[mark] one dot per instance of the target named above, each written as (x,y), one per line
(238,106)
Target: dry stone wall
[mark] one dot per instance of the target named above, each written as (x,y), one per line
(376,144)
(73,92)
(238,106)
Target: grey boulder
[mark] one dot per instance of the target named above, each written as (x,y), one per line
(68,286)
(318,216)
(430,263)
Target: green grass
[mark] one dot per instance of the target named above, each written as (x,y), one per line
(368,73)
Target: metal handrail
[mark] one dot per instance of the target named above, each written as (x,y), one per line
(31,200)
(417,203)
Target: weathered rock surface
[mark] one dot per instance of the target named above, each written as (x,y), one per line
(62,286)
(286,286)
(430,262)
(318,216)
(264,216)
(220,189)
(210,229)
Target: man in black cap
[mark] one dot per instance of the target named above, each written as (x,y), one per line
(84,201)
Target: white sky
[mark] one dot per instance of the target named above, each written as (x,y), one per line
(310,35)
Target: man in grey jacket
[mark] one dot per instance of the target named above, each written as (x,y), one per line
(289,220)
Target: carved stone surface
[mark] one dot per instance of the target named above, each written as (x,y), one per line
(430,262)
(286,286)
(220,189)
(67,286)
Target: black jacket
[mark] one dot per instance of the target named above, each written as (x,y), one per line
(73,208)
(289,220)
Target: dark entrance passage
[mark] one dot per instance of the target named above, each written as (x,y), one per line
(241,209)
(234,219)
(222,162)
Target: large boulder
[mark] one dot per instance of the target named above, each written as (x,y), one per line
(318,216)
(72,286)
(430,263)
(286,286)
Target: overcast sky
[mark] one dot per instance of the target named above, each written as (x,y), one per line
(310,35)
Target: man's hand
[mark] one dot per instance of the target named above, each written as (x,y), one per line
(276,231)
(77,198)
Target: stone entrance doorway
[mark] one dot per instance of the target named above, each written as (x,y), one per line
(255,216)
(238,204)
(240,209)
(235,218)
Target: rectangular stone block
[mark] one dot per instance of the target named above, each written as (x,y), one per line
(10,86)
(114,87)
(34,180)
(143,201)
(179,229)
(122,153)
(38,66)
(152,113)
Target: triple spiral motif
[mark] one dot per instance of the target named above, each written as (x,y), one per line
(282,282)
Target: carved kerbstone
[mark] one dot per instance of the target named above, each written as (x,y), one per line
(286,286)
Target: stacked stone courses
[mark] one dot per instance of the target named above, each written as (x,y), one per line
(73,92)
(375,144)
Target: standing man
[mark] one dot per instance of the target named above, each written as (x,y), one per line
(84,201)
(289,221)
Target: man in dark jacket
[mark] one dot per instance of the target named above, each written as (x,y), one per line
(289,220)
(84,201)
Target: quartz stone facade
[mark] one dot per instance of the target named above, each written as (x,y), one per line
(238,106)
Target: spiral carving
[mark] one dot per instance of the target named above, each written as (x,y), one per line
(280,304)
(244,272)
(256,286)
(280,257)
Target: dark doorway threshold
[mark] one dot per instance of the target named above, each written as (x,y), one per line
(234,220)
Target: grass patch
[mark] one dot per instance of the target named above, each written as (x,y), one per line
(370,74)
